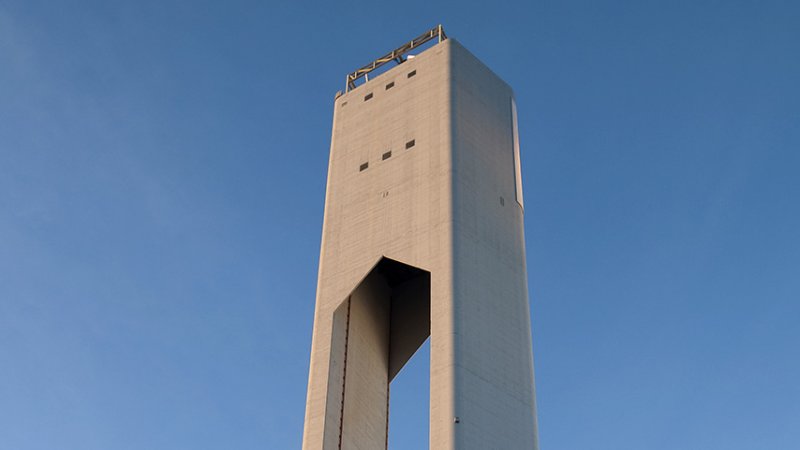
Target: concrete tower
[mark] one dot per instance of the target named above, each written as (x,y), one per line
(423,236)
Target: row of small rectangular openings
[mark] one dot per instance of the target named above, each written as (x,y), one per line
(388,86)
(364,166)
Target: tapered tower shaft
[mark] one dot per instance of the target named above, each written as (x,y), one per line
(423,236)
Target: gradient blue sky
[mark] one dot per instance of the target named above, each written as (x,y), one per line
(162,174)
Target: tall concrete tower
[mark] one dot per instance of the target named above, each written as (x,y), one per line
(423,236)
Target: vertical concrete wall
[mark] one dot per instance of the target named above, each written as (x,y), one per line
(400,208)
(435,206)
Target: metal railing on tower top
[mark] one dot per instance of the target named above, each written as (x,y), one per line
(397,55)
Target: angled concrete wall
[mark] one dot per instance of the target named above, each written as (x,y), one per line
(493,355)
(438,193)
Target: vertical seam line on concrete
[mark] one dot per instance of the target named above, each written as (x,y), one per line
(388,390)
(388,364)
(344,370)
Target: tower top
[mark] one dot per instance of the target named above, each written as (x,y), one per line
(397,55)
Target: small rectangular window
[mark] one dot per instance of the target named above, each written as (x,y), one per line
(387,155)
(390,85)
(368,96)
(363,167)
(410,143)
(344,103)
(412,73)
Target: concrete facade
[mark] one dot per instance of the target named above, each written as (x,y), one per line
(423,235)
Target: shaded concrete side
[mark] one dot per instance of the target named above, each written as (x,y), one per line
(367,382)
(494,398)
(336,369)
(410,321)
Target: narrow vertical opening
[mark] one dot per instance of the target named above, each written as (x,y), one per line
(409,408)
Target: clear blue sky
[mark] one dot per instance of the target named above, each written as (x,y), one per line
(162,174)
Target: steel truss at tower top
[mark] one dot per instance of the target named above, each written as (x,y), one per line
(397,55)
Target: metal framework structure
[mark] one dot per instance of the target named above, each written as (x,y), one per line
(396,55)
